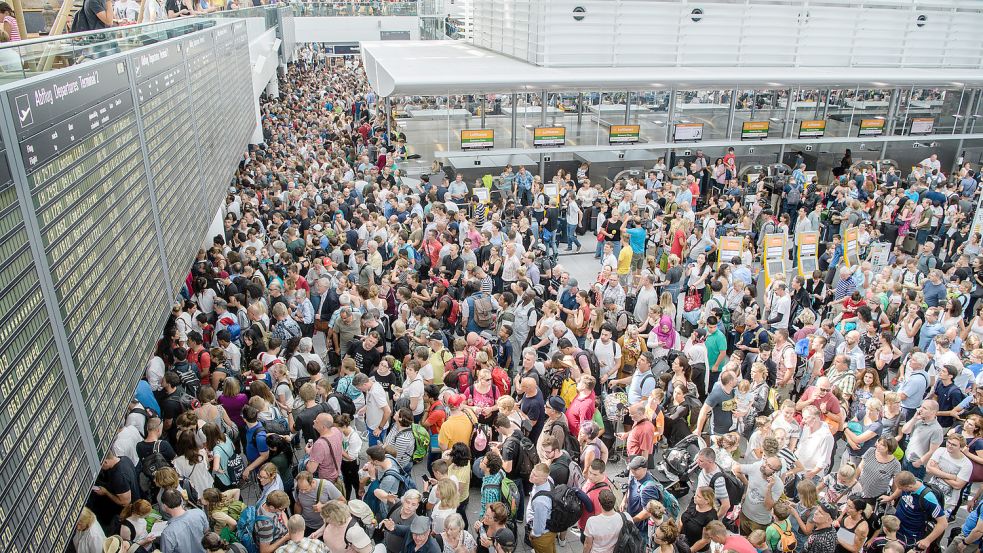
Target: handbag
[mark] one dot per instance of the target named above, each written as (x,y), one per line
(321,325)
(693,300)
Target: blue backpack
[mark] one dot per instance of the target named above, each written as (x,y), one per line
(802,347)
(231,322)
(245,526)
(405,481)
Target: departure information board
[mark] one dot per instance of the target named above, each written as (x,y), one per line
(81,152)
(165,107)
(91,151)
(206,94)
(36,413)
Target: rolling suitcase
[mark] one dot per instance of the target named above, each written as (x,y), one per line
(910,244)
(889,233)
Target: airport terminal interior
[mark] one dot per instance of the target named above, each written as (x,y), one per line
(487,276)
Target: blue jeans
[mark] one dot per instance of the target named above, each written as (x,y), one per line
(525,196)
(599,250)
(918,472)
(550,244)
(376,441)
(617,248)
(572,236)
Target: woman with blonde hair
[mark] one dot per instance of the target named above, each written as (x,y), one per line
(507,406)
(455,536)
(891,416)
(448,501)
(632,347)
(88,537)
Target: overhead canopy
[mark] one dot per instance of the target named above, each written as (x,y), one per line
(438,68)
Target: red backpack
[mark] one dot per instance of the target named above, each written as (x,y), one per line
(455,311)
(501,381)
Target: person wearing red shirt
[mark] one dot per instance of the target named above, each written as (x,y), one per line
(595,482)
(198,355)
(717,533)
(640,440)
(583,405)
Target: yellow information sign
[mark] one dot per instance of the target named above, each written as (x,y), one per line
(773,256)
(549,136)
(754,130)
(808,253)
(730,247)
(813,128)
(851,246)
(624,134)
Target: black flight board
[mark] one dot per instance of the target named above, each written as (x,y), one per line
(206,90)
(35,411)
(165,107)
(81,152)
(245,114)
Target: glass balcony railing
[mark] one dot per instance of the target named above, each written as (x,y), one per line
(20,60)
(350,9)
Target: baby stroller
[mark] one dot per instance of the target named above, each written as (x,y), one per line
(678,466)
(615,403)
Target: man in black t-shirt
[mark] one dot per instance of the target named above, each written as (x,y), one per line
(452,266)
(116,487)
(150,443)
(170,407)
(366,356)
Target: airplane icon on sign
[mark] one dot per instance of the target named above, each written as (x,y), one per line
(23,105)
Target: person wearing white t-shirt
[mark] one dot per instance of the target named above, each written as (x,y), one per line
(931,163)
(949,468)
(608,353)
(602,530)
(781,308)
(412,390)
(377,411)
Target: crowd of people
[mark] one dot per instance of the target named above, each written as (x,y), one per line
(364,360)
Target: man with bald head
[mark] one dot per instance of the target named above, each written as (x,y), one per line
(532,406)
(324,455)
(925,435)
(851,348)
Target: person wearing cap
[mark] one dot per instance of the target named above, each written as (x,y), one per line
(555,425)
(642,488)
(823,537)
(642,380)
(504,541)
(417,535)
(459,424)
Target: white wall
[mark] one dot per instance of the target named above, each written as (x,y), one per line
(352,29)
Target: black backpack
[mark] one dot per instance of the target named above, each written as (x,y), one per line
(735,488)
(149,466)
(190,377)
(567,508)
(344,402)
(593,364)
(527,459)
(629,538)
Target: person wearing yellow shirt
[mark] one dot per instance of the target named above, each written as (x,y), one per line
(624,262)
(459,424)
(438,359)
